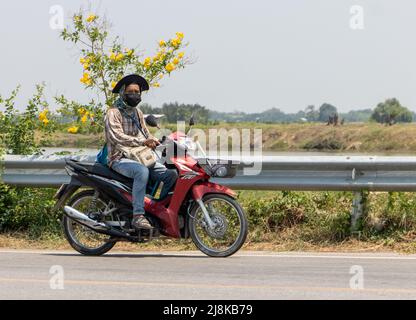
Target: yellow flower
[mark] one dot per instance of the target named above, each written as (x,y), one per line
(91,18)
(42,115)
(73,129)
(179,35)
(85,60)
(116,57)
(162,43)
(161,76)
(128,51)
(170,67)
(86,66)
(175,42)
(162,55)
(84,118)
(156,85)
(180,55)
(147,62)
(113,84)
(175,61)
(81,110)
(86,79)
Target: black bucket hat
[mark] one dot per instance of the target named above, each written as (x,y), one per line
(132,78)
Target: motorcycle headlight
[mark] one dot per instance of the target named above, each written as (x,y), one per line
(221,172)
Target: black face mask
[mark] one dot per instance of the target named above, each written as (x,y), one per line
(132,99)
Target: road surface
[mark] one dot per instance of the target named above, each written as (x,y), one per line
(191,275)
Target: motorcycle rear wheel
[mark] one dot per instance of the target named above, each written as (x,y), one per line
(81,238)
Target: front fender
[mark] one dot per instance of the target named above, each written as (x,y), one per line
(201,189)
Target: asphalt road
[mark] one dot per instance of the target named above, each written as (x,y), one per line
(191,275)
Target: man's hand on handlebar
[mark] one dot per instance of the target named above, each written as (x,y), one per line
(151,143)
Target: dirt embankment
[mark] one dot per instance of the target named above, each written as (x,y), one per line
(363,137)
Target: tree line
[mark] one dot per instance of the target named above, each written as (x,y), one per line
(388,112)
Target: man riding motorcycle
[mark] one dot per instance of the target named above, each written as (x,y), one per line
(121,130)
(101,214)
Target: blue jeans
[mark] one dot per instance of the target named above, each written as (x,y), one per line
(141,175)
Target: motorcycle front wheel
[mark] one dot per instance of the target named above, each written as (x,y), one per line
(229,230)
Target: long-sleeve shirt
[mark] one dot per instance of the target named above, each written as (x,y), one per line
(120,130)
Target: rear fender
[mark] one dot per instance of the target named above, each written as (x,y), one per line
(65,192)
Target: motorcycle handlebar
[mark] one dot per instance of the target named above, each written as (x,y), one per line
(163,139)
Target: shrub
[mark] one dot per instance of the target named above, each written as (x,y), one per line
(29,210)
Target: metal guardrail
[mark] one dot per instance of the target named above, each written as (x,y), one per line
(326,173)
(303,173)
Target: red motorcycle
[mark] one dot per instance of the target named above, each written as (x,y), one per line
(99,216)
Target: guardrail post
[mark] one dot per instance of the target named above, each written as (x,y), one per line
(358,210)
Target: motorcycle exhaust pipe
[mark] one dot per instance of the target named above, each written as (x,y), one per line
(100,227)
(83,219)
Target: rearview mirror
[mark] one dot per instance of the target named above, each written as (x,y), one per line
(191,121)
(151,121)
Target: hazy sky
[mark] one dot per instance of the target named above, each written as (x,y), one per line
(251,55)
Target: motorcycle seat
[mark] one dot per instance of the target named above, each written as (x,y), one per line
(107,172)
(104,171)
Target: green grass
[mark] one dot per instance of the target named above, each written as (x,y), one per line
(278,220)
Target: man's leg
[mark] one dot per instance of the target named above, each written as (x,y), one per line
(160,173)
(140,174)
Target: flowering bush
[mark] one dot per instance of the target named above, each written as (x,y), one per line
(106,60)
(17,129)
